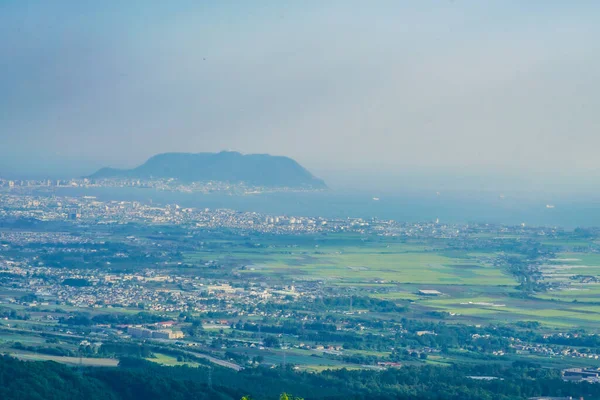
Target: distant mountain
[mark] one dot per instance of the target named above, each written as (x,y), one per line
(226,166)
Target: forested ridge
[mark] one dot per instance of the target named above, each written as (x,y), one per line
(140,379)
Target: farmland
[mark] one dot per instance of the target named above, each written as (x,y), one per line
(473,287)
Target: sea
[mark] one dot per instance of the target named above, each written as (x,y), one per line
(417,206)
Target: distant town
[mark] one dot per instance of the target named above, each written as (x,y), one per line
(163,184)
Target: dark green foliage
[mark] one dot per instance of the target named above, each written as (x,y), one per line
(271,341)
(53,351)
(76,282)
(79,319)
(124,349)
(128,319)
(139,379)
(20,380)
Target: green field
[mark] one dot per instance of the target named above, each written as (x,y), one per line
(309,359)
(567,272)
(473,290)
(90,362)
(358,262)
(171,361)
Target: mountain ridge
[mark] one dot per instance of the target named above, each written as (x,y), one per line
(225,166)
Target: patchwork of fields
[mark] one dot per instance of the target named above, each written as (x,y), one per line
(473,289)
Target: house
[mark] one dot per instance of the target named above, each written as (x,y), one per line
(581,374)
(429,292)
(553,398)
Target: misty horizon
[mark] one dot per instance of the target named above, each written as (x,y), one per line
(457,95)
(407,180)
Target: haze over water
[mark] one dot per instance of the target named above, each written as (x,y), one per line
(422,206)
(459,92)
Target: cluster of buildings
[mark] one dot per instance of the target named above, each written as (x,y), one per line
(591,375)
(108,290)
(89,210)
(551,350)
(140,332)
(86,210)
(164,184)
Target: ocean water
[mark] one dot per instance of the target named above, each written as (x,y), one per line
(457,207)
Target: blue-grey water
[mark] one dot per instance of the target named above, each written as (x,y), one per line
(408,207)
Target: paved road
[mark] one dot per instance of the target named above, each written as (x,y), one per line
(222,363)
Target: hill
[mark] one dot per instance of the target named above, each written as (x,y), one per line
(139,379)
(226,166)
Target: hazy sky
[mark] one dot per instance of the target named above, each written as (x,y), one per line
(506,87)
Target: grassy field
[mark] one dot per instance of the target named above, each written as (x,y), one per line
(170,361)
(509,309)
(473,290)
(567,272)
(309,359)
(91,362)
(363,262)
(26,339)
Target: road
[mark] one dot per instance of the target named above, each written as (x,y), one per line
(222,363)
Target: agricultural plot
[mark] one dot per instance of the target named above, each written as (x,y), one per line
(164,359)
(26,339)
(364,263)
(471,288)
(575,277)
(309,359)
(91,362)
(510,310)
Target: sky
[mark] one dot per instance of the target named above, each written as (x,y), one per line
(465,92)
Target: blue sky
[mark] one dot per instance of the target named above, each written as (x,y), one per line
(351,89)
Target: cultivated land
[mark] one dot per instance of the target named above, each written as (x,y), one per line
(472,288)
(88,362)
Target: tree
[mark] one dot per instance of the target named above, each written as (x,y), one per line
(271,341)
(286,396)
